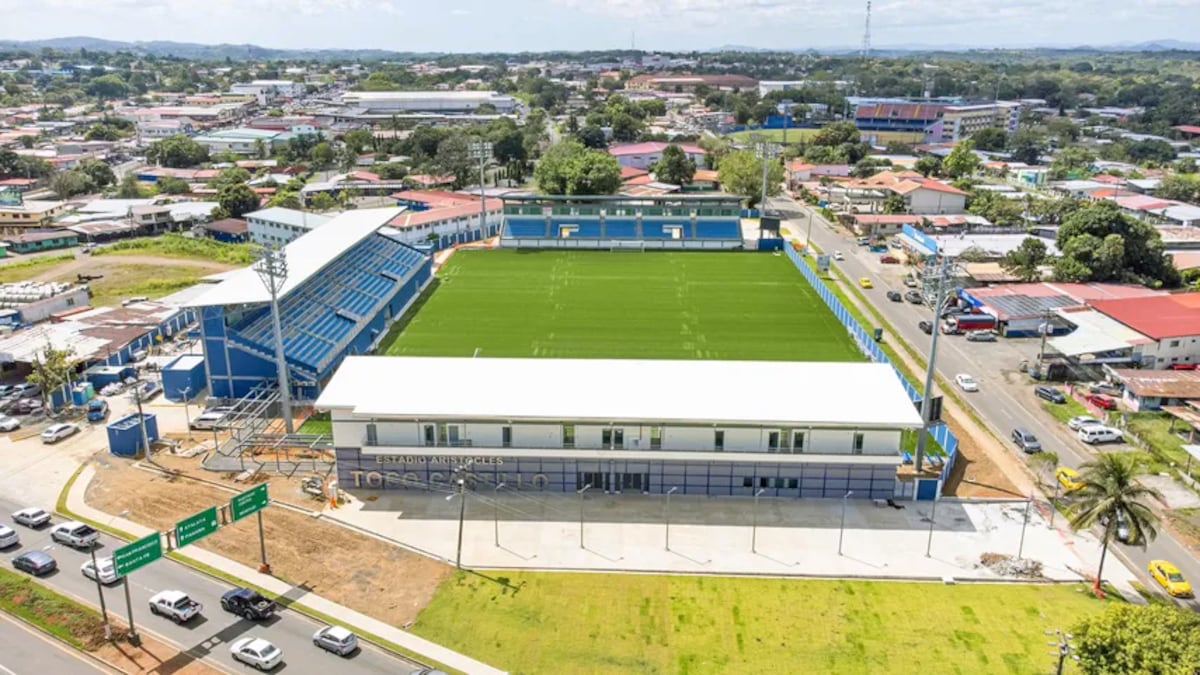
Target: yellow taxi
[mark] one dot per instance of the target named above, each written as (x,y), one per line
(865,282)
(1168,576)
(1068,478)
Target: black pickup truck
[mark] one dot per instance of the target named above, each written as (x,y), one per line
(247,603)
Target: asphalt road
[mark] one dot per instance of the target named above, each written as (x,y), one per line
(994,403)
(207,636)
(28,652)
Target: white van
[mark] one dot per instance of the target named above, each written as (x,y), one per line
(1096,433)
(207,421)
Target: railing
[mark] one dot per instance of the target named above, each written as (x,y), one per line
(871,349)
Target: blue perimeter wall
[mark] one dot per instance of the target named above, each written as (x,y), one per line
(940,432)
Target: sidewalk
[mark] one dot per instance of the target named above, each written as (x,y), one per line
(418,645)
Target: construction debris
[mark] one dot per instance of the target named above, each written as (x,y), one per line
(1011,566)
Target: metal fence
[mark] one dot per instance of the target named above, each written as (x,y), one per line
(871,349)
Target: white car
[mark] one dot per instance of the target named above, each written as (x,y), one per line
(56,432)
(75,534)
(9,423)
(31,517)
(108,571)
(256,652)
(1077,423)
(207,421)
(8,537)
(966,382)
(175,605)
(837,255)
(1098,433)
(335,639)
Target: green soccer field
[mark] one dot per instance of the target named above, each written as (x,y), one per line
(595,304)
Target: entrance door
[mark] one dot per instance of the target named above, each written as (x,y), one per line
(429,436)
(635,481)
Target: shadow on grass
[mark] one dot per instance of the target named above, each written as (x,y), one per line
(498,580)
(398,327)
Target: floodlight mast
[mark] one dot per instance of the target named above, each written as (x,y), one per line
(272,269)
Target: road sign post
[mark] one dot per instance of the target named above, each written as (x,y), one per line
(196,527)
(131,557)
(250,502)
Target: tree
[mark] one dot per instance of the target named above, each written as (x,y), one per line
(67,184)
(741,173)
(675,167)
(52,369)
(1100,243)
(1023,262)
(962,161)
(568,168)
(592,137)
(321,155)
(287,199)
(231,175)
(990,138)
(1159,639)
(130,188)
(625,128)
(714,147)
(1063,129)
(869,166)
(454,158)
(1108,492)
(1071,160)
(322,201)
(237,199)
(928,165)
(108,87)
(177,152)
(838,133)
(1026,146)
(358,140)
(1187,165)
(895,203)
(170,185)
(1184,188)
(100,173)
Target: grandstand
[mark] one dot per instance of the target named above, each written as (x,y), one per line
(607,222)
(917,117)
(346,282)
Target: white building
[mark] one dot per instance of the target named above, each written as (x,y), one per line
(960,122)
(703,427)
(428,101)
(1170,323)
(277,226)
(267,91)
(454,221)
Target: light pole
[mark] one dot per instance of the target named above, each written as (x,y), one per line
(186,394)
(1063,648)
(496,513)
(1024,524)
(754,525)
(766,152)
(100,585)
(808,235)
(927,392)
(272,269)
(585,489)
(667,516)
(842,529)
(932,515)
(137,398)
(462,509)
(482,151)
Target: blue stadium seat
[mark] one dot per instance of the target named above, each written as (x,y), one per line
(525,227)
(717,229)
(620,228)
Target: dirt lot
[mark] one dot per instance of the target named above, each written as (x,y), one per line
(122,276)
(976,473)
(365,574)
(151,656)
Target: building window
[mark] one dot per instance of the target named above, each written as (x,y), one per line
(506,437)
(857,446)
(747,482)
(372,434)
(618,438)
(797,441)
(568,436)
(773,441)
(1174,343)
(719,440)
(656,438)
(606,438)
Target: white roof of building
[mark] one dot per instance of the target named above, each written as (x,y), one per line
(306,256)
(418,95)
(1095,333)
(864,395)
(292,217)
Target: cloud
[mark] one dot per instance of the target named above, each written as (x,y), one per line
(460,12)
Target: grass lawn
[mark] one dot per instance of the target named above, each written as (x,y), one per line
(1167,446)
(797,135)
(124,281)
(1063,412)
(585,304)
(20,270)
(317,423)
(607,623)
(172,245)
(78,625)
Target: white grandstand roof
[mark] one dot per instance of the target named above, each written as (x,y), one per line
(306,256)
(859,395)
(293,217)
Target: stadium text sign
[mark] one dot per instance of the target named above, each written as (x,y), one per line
(196,527)
(249,502)
(141,552)
(380,479)
(437,459)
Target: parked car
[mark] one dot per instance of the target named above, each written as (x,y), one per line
(56,432)
(1101,401)
(9,423)
(865,282)
(37,563)
(75,534)
(97,410)
(27,390)
(1068,478)
(1098,433)
(914,297)
(1026,441)
(247,603)
(336,639)
(31,516)
(1104,388)
(837,255)
(8,537)
(895,296)
(256,652)
(981,336)
(889,259)
(1183,366)
(1168,576)
(863,241)
(207,420)
(926,327)
(107,570)
(1080,421)
(966,382)
(26,406)
(1051,394)
(175,605)
(909,281)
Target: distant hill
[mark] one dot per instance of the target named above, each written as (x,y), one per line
(196,51)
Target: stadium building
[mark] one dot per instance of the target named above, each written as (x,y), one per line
(667,222)
(719,428)
(346,282)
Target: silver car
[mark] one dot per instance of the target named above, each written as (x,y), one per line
(336,639)
(8,537)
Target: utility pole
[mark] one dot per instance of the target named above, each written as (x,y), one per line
(754,525)
(585,489)
(481,150)
(137,397)
(496,514)
(272,269)
(1063,649)
(927,392)
(1045,330)
(766,152)
(186,393)
(667,517)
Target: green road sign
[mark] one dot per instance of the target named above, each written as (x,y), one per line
(195,527)
(249,502)
(141,552)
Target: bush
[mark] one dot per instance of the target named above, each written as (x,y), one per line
(178,246)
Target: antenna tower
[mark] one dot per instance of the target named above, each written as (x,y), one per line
(866,44)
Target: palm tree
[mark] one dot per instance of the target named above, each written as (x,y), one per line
(1109,490)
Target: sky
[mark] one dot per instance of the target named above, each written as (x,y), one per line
(543,25)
